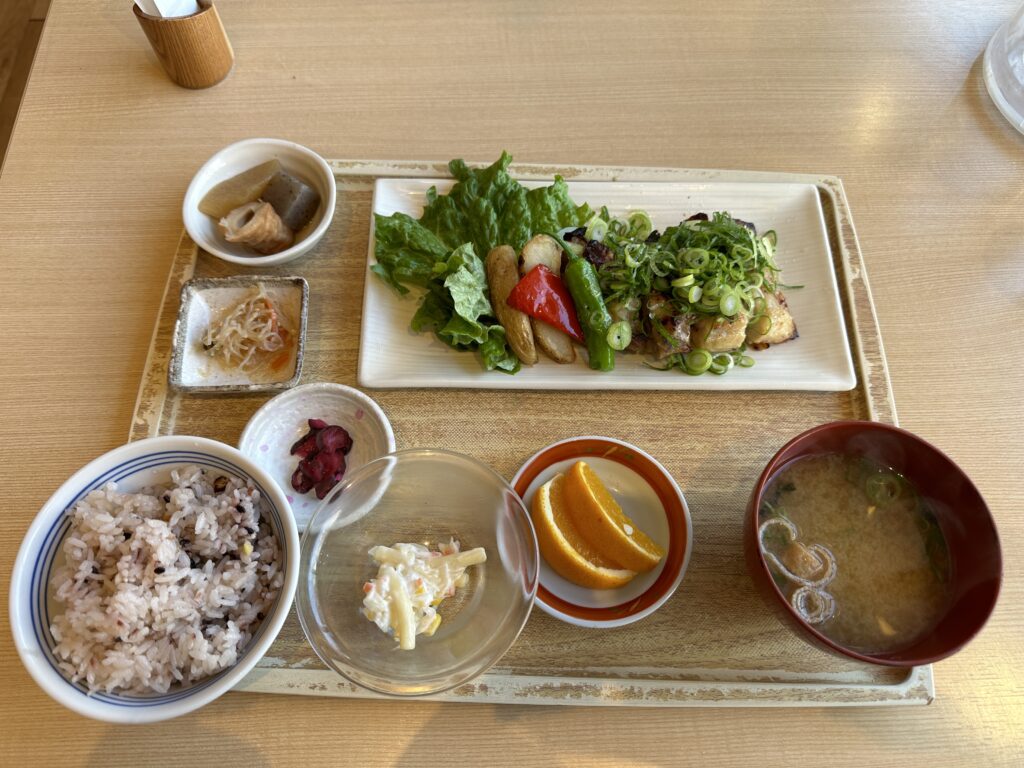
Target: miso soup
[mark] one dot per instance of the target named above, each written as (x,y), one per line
(856,550)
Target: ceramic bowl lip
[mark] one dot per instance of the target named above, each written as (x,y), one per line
(687,522)
(774,465)
(307,574)
(200,184)
(54,683)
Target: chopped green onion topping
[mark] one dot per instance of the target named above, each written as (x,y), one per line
(713,267)
(619,335)
(883,488)
(761,325)
(724,359)
(697,361)
(640,225)
(597,228)
(729,305)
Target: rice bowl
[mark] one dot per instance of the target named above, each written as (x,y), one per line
(147,585)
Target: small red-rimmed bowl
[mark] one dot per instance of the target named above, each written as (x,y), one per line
(649,496)
(963,517)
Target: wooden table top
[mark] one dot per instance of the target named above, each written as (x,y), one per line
(888,96)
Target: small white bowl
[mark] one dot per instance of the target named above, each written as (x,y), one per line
(268,437)
(239,157)
(132,467)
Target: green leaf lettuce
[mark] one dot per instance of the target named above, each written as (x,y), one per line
(442,251)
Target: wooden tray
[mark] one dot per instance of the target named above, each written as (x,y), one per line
(714,643)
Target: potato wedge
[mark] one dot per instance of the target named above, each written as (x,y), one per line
(554,343)
(502,276)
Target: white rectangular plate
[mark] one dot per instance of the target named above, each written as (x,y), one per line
(391,355)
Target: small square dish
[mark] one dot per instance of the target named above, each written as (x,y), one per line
(258,338)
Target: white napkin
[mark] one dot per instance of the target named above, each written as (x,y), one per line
(168,8)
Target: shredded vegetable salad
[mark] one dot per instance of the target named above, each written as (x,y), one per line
(248,334)
(411,582)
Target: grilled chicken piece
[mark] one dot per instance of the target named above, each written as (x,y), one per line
(670,334)
(658,306)
(717,334)
(782,327)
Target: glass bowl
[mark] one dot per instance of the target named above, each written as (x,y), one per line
(426,497)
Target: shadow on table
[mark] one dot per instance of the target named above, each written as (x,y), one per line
(989,119)
(170,744)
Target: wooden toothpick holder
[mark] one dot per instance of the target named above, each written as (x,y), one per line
(194,50)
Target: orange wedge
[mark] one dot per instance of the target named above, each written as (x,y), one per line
(562,546)
(602,523)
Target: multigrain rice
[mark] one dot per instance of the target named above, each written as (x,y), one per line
(164,586)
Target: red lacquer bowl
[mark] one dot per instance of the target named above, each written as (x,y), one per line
(963,516)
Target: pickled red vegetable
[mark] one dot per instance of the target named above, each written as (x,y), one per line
(294,200)
(321,453)
(239,190)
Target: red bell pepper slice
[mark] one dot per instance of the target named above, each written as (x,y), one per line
(542,294)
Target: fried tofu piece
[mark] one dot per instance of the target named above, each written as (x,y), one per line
(761,334)
(802,561)
(719,334)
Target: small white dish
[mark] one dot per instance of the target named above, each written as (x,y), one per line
(268,437)
(391,355)
(649,496)
(241,156)
(203,300)
(133,467)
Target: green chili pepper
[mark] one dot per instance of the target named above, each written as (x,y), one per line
(581,280)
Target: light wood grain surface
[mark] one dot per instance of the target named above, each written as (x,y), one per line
(886,95)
